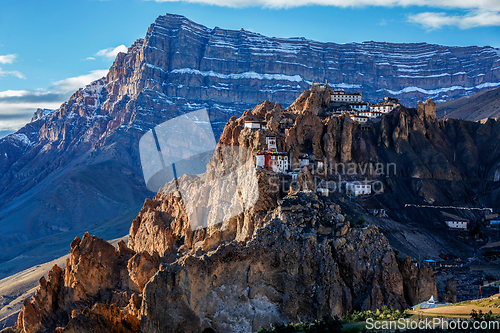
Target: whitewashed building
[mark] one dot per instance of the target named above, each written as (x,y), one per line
(340,96)
(358,188)
(272,160)
(260,160)
(303,161)
(457,224)
(385,107)
(370,114)
(359,119)
(279,162)
(252,124)
(360,107)
(271,143)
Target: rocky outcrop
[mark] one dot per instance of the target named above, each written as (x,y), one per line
(102,318)
(302,263)
(242,286)
(96,292)
(40,113)
(427,110)
(305,136)
(313,100)
(450,291)
(419,282)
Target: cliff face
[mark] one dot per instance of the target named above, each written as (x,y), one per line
(79,165)
(301,264)
(93,293)
(244,285)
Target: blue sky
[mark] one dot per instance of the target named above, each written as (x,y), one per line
(50,48)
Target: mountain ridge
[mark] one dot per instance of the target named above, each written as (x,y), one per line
(476,107)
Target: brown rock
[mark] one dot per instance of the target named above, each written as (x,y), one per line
(93,271)
(257,283)
(41,312)
(102,319)
(306,135)
(419,283)
(450,291)
(141,267)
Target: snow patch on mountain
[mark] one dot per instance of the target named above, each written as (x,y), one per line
(246,75)
(441,90)
(21,139)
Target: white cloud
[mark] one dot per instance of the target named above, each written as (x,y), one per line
(8,58)
(493,5)
(72,84)
(13,93)
(478,13)
(89,58)
(12,73)
(110,53)
(17,106)
(480,18)
(15,115)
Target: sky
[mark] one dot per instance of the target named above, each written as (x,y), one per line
(50,48)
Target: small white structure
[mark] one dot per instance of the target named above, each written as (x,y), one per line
(260,160)
(271,143)
(303,160)
(457,224)
(358,188)
(342,96)
(252,124)
(294,175)
(370,114)
(383,107)
(319,86)
(359,119)
(323,191)
(272,160)
(430,304)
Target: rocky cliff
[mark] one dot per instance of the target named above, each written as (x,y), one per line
(79,165)
(300,264)
(291,256)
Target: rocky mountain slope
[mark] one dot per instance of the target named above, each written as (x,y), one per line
(79,165)
(479,106)
(290,256)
